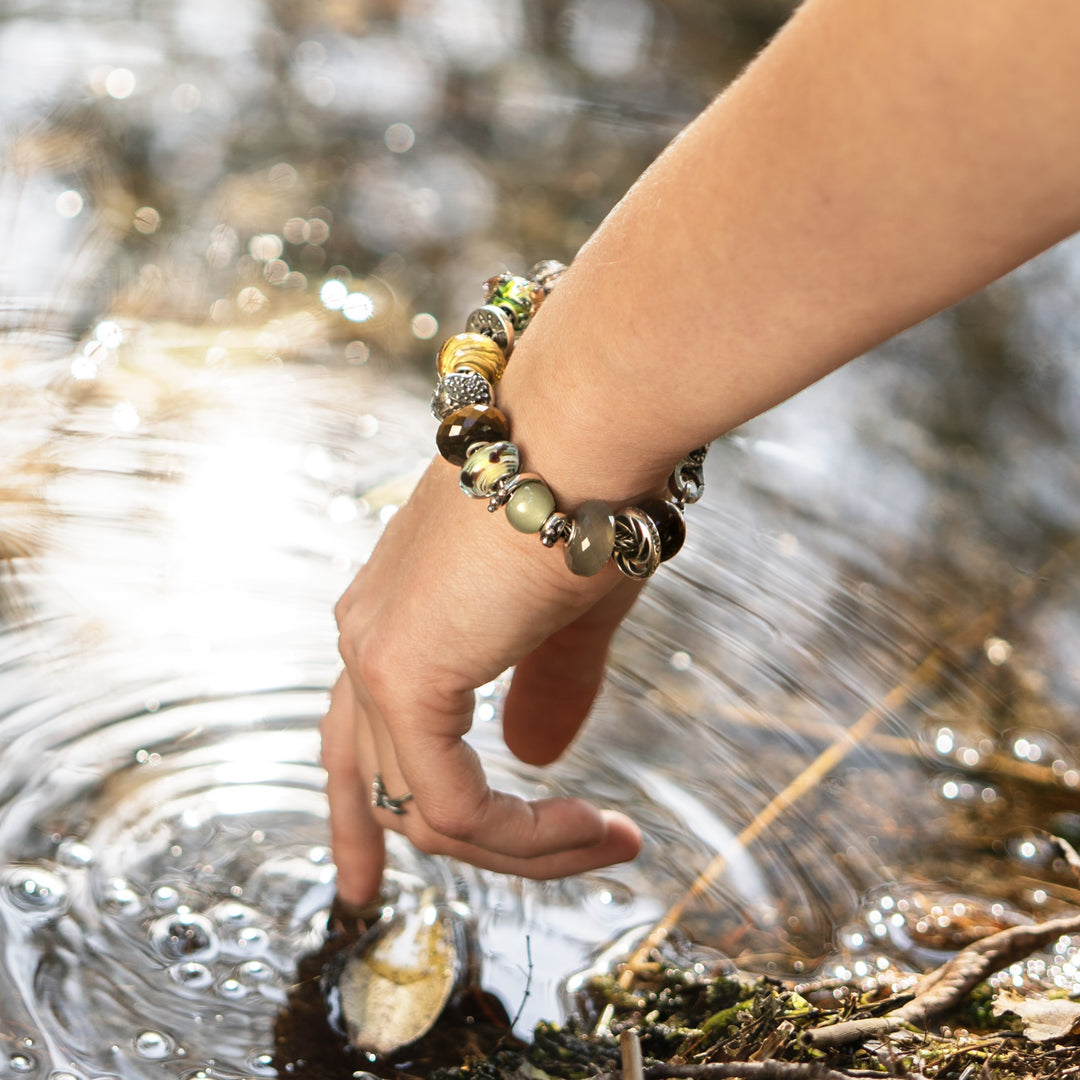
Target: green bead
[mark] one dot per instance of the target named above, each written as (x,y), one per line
(517,296)
(591,540)
(530,506)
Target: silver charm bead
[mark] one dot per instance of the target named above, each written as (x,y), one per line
(557,527)
(458,389)
(687,481)
(637,543)
(505,486)
(547,273)
(492,322)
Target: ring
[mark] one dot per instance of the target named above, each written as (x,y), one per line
(380,800)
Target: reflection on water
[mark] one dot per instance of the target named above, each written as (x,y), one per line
(230,237)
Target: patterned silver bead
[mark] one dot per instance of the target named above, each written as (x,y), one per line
(687,481)
(557,527)
(547,273)
(458,389)
(494,323)
(637,543)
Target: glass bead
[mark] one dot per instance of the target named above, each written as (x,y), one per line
(669,523)
(591,539)
(472,352)
(467,425)
(517,296)
(546,274)
(530,506)
(486,465)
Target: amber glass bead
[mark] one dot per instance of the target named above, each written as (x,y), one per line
(472,352)
(467,425)
(669,523)
(517,296)
(591,539)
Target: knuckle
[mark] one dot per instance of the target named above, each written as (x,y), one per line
(453,822)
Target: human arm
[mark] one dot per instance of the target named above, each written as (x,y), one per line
(878,161)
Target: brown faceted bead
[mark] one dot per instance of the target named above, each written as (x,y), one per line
(467,425)
(669,523)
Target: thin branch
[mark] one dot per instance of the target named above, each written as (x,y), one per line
(946,986)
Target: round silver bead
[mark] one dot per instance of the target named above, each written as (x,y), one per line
(492,322)
(687,481)
(458,389)
(637,543)
(557,527)
(546,274)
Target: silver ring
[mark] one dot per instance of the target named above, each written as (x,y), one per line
(380,800)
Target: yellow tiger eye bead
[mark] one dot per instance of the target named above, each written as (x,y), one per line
(472,352)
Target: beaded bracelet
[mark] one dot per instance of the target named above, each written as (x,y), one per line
(475,436)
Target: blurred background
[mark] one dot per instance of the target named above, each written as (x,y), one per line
(231,237)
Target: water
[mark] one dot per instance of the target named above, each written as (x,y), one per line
(199,446)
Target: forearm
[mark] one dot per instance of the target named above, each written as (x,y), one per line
(879,161)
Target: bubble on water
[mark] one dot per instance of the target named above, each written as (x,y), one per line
(39,891)
(165,898)
(251,940)
(74,853)
(232,989)
(152,1045)
(319,855)
(255,971)
(192,975)
(22,1063)
(262,1064)
(184,934)
(121,899)
(233,914)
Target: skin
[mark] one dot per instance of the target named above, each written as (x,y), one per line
(878,161)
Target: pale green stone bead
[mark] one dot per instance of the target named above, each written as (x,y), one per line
(530,506)
(591,540)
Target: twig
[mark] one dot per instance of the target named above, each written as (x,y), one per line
(630,1048)
(524,997)
(945,986)
(746,1070)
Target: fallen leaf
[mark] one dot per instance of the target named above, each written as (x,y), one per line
(1044,1018)
(398,982)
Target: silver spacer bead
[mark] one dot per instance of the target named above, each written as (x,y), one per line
(687,481)
(556,528)
(492,322)
(637,543)
(546,274)
(458,389)
(505,486)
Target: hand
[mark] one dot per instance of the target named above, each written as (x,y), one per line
(450,598)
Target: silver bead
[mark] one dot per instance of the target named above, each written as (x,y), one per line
(457,389)
(546,274)
(494,323)
(687,481)
(637,543)
(556,528)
